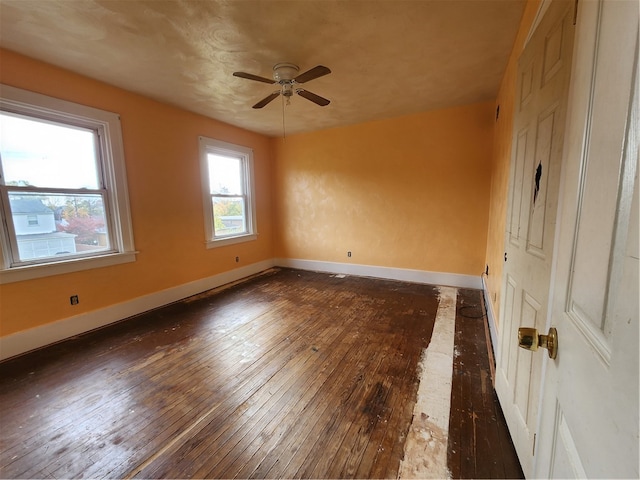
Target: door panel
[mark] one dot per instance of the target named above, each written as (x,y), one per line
(518,180)
(543,72)
(508,361)
(526,392)
(565,462)
(553,52)
(545,167)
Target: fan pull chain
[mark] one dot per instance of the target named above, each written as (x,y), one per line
(284,133)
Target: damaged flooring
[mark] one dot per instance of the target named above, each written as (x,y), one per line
(290,374)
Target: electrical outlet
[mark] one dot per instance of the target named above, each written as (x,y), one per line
(349,254)
(74,299)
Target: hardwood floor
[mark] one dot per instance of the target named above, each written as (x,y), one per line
(477,429)
(289,374)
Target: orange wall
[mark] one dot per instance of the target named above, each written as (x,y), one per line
(161,153)
(501,159)
(409,192)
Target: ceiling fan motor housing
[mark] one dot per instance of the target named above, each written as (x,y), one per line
(285,72)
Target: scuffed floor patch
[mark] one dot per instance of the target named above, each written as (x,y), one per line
(425,451)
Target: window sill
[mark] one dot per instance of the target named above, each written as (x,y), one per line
(30,272)
(232,240)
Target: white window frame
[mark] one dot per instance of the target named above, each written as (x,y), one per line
(107,125)
(245,154)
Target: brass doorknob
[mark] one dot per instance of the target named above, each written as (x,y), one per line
(529,339)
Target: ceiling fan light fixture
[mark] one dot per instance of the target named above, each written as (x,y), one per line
(287,89)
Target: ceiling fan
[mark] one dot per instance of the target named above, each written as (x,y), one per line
(286,76)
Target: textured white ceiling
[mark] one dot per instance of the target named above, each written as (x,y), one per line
(388,57)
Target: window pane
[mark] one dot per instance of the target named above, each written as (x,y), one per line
(225,175)
(229,216)
(55,225)
(43,154)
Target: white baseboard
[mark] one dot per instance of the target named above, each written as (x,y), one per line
(27,340)
(403,274)
(491,319)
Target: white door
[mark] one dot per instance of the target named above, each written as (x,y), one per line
(539,120)
(589,412)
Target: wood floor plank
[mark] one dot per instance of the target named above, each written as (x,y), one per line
(299,428)
(224,393)
(289,374)
(122,391)
(394,430)
(476,449)
(328,409)
(129,424)
(366,398)
(223,441)
(293,403)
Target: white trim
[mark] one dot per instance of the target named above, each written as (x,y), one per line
(27,340)
(491,318)
(403,274)
(232,240)
(29,272)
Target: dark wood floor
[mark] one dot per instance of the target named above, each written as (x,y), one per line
(290,374)
(477,428)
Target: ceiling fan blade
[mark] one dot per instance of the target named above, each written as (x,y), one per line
(251,76)
(266,100)
(315,72)
(313,97)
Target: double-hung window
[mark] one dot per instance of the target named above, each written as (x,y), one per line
(63,196)
(227,188)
